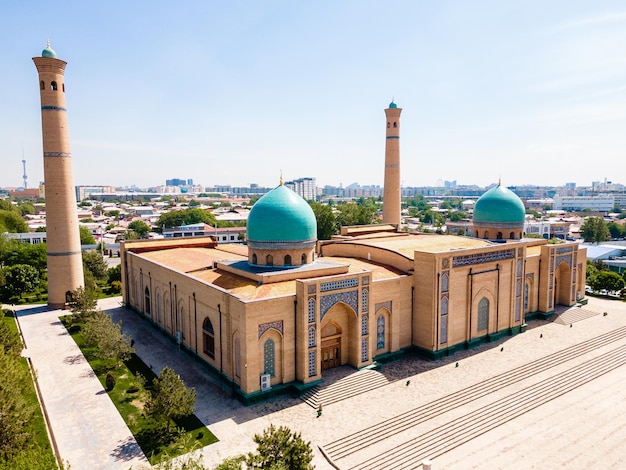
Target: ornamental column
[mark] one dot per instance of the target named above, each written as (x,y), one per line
(65,265)
(392,193)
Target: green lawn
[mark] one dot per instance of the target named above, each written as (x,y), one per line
(38,454)
(129,396)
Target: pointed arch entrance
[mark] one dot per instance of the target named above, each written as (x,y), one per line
(339,337)
(562,284)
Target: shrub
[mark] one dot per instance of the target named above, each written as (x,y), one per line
(110,382)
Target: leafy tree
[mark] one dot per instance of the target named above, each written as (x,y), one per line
(18,279)
(86,238)
(12,222)
(107,336)
(355,214)
(112,213)
(7,205)
(170,398)
(16,252)
(114,274)
(594,230)
(616,230)
(326,221)
(194,203)
(95,264)
(608,280)
(281,448)
(185,216)
(139,227)
(15,412)
(82,303)
(40,229)
(26,208)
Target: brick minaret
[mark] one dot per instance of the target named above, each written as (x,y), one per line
(391,195)
(65,266)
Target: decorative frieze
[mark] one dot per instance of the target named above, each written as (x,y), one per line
(276,325)
(480,258)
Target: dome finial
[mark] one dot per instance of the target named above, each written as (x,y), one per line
(48,51)
(500,180)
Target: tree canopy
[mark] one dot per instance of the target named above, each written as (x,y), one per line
(187,216)
(86,238)
(170,398)
(326,221)
(594,230)
(281,448)
(11,221)
(139,227)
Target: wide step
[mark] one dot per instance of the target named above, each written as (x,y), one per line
(350,386)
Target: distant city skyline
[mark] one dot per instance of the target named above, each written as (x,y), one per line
(236,93)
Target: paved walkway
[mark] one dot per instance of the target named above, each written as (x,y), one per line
(89,432)
(583,428)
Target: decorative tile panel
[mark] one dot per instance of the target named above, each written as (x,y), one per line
(312,363)
(364,328)
(311,309)
(276,325)
(443,334)
(480,258)
(365,280)
(342,284)
(350,298)
(386,305)
(364,301)
(311,336)
(312,288)
(364,349)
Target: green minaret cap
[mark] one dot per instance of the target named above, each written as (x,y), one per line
(48,52)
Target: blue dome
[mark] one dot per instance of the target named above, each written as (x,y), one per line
(281,216)
(48,52)
(392,105)
(501,206)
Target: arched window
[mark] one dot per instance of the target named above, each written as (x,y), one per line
(395,124)
(53,86)
(311,309)
(269,358)
(483,314)
(512,236)
(287,260)
(526,292)
(380,332)
(444,306)
(208,338)
(159,308)
(303,261)
(364,327)
(63,86)
(487,234)
(311,336)
(42,85)
(444,282)
(147,301)
(253,258)
(499,236)
(237,357)
(269,260)
(181,322)
(388,125)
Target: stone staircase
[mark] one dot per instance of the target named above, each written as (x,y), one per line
(574,314)
(351,385)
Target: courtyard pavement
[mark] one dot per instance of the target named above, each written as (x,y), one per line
(583,428)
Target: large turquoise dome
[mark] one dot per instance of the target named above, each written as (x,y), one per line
(281,215)
(499,205)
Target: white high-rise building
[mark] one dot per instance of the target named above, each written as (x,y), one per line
(305,187)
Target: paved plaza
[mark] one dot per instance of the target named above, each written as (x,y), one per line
(552,397)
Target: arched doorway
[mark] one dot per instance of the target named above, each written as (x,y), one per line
(562,285)
(339,337)
(331,346)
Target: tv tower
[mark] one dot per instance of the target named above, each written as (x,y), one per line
(24,165)
(65,264)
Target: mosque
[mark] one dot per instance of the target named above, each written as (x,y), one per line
(282,310)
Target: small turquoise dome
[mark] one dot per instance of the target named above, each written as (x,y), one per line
(48,52)
(392,105)
(281,215)
(499,205)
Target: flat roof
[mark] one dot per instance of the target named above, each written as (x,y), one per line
(407,245)
(198,262)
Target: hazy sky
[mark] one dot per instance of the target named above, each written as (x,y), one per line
(233,92)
